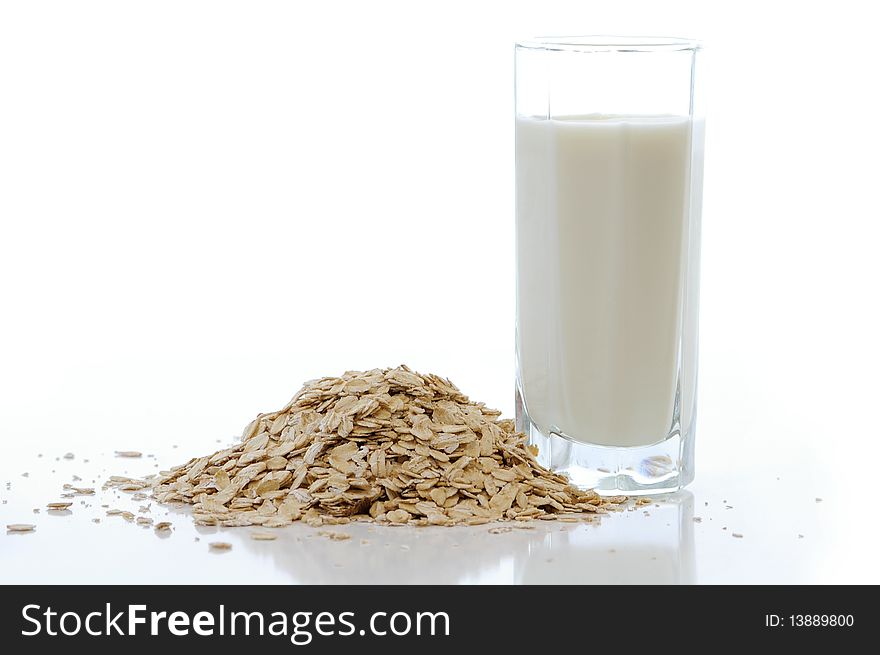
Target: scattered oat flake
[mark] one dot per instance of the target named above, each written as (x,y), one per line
(128,453)
(79,491)
(63,505)
(736,535)
(334,536)
(162,525)
(220,545)
(20,527)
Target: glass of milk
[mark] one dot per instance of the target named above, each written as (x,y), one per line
(609,166)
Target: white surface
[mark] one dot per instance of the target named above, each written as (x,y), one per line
(658,543)
(203,204)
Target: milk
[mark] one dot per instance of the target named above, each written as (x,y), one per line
(601,213)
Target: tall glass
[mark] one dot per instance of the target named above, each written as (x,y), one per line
(609,165)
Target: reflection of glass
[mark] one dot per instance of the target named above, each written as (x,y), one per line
(658,548)
(628,549)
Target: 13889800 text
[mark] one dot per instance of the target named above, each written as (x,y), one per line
(809,621)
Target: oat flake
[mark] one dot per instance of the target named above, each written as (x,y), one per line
(21,527)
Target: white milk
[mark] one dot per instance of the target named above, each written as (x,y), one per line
(601,214)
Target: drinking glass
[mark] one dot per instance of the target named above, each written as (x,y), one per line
(609,167)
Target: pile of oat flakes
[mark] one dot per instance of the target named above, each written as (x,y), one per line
(388,445)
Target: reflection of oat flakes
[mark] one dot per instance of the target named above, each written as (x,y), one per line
(263,536)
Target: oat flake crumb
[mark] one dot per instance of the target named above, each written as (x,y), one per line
(20,527)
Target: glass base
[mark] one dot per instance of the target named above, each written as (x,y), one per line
(663,467)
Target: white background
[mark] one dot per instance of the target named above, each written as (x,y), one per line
(203,204)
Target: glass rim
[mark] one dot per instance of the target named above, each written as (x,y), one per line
(609,43)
